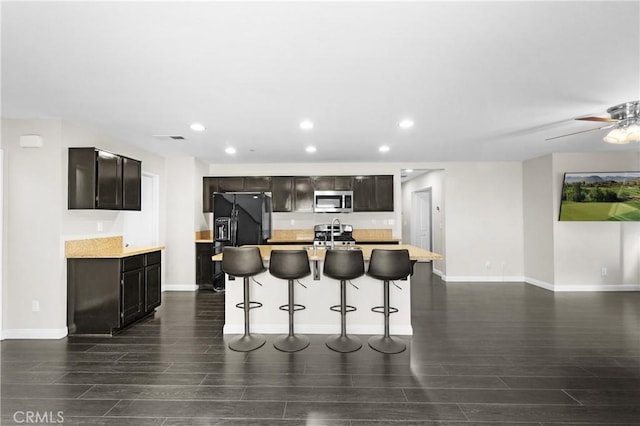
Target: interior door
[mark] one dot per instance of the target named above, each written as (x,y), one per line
(421,219)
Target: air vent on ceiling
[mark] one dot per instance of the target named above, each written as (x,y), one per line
(170,137)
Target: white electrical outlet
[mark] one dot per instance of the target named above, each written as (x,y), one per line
(100,227)
(35,305)
(487,264)
(603,271)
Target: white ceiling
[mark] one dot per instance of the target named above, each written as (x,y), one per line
(481,80)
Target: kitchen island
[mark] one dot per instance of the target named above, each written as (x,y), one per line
(320,293)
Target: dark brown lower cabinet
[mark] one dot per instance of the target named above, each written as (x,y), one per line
(204,265)
(107,294)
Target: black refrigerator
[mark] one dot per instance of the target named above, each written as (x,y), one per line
(239,218)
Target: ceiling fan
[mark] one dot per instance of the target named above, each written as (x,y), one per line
(624,119)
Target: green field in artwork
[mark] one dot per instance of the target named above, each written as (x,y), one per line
(594,211)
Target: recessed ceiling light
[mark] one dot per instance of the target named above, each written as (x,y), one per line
(230,150)
(311,149)
(306,124)
(197,127)
(406,124)
(408,170)
(384,148)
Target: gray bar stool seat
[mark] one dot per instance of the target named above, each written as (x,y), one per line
(343,265)
(244,262)
(387,265)
(290,265)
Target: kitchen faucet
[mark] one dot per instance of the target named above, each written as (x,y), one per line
(335,219)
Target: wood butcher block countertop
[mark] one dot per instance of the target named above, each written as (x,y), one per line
(415,253)
(109,247)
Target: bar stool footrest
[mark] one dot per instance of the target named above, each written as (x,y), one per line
(338,308)
(380,309)
(296,307)
(252,305)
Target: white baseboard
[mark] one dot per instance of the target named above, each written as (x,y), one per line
(484,279)
(582,287)
(179,287)
(538,283)
(403,330)
(438,272)
(35,333)
(596,287)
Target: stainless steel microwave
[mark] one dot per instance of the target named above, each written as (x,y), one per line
(333,201)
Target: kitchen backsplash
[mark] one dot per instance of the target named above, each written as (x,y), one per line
(365,220)
(377,220)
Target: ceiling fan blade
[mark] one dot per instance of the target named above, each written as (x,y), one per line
(581,131)
(602,119)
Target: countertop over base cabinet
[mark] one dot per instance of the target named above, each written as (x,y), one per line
(107,294)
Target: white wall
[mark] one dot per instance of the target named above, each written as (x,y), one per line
(538,221)
(484,221)
(582,249)
(182,191)
(38,222)
(34,254)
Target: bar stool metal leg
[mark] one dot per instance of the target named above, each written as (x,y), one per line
(342,342)
(291,342)
(386,343)
(247,342)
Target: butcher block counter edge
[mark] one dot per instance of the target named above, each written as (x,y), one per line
(109,247)
(415,253)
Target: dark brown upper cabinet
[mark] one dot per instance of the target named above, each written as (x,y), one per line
(209,186)
(99,179)
(131,184)
(231,184)
(257,184)
(282,193)
(303,194)
(331,183)
(295,193)
(373,193)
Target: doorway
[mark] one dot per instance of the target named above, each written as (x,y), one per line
(421,219)
(141,227)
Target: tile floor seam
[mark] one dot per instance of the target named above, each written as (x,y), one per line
(112,407)
(571,396)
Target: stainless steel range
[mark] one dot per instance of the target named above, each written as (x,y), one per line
(342,234)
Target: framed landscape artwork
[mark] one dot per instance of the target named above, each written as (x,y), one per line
(600,196)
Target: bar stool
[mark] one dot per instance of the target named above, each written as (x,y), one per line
(343,265)
(290,265)
(244,262)
(388,265)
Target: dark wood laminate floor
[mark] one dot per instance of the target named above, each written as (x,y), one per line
(481,354)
